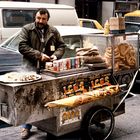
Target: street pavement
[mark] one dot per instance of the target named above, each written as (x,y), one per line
(127,126)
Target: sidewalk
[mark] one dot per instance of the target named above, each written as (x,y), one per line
(13,133)
(127,125)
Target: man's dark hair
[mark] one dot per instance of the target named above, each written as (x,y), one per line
(43,11)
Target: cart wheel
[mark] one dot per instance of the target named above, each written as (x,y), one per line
(98,124)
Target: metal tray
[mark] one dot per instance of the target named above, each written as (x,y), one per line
(3,79)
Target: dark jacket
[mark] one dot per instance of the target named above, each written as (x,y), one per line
(30,45)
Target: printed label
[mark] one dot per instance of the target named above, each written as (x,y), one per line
(68,116)
(52,48)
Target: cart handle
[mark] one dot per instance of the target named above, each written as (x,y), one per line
(128,91)
(123,85)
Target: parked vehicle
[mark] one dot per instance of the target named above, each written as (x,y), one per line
(132,21)
(11,59)
(89,23)
(13,15)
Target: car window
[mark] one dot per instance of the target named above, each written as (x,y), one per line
(89,24)
(12,44)
(97,41)
(72,42)
(17,18)
(129,27)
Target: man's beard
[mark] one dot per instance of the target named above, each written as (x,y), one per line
(40,25)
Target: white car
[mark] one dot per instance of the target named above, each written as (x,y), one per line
(11,59)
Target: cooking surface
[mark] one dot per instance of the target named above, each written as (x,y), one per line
(19,77)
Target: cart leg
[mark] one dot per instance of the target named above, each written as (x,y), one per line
(98,124)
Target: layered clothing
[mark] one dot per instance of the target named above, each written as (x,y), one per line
(34,42)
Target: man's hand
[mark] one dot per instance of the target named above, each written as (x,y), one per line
(53,57)
(45,58)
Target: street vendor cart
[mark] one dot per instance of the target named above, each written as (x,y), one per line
(85,91)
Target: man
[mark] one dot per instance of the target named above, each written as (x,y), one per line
(39,43)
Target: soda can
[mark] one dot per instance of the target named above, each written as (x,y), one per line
(77,62)
(68,63)
(64,64)
(72,62)
(56,65)
(61,65)
(49,65)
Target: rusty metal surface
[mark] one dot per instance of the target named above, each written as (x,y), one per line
(59,129)
(26,99)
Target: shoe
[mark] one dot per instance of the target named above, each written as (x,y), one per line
(25,133)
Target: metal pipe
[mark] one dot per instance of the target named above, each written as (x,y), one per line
(128,91)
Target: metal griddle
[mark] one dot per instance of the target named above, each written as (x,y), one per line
(2,79)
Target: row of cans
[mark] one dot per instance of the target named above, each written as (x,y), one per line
(67,64)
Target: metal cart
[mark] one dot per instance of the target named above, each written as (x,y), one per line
(25,102)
